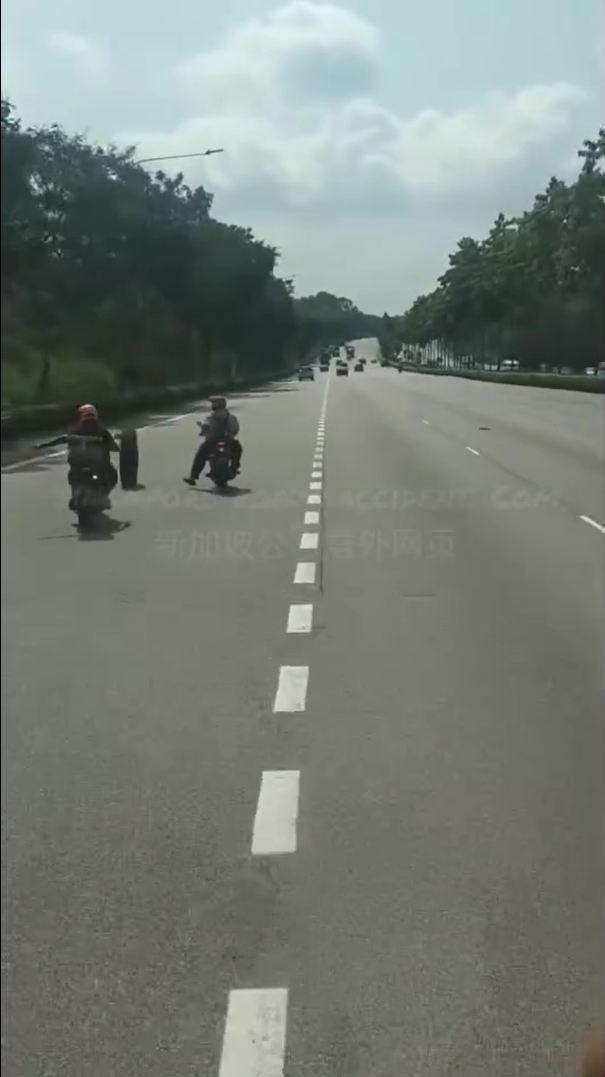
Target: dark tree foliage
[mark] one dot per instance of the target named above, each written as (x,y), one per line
(114,278)
(325,319)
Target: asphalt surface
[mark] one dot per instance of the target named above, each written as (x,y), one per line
(361,838)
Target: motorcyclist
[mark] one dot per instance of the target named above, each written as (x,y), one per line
(221,423)
(89,425)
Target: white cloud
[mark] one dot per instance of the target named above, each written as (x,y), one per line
(86,55)
(304,52)
(292,99)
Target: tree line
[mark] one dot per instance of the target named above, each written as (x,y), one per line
(532,291)
(115,278)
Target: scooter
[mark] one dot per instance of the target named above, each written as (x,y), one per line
(221,470)
(89,497)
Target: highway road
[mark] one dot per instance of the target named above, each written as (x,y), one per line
(306,780)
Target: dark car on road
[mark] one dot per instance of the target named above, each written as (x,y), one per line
(359,365)
(306,374)
(342,368)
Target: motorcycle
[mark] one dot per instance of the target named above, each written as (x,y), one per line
(89,495)
(221,470)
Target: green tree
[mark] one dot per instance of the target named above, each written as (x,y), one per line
(113,277)
(532,289)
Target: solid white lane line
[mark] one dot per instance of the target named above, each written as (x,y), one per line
(254,1044)
(34,460)
(593,523)
(305,572)
(474,451)
(311,518)
(309,540)
(300,618)
(171,419)
(274,830)
(314,499)
(291,689)
(315,485)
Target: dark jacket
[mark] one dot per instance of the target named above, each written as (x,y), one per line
(109,443)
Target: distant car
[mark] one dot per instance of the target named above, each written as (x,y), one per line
(358,365)
(350,351)
(335,352)
(324,366)
(591,371)
(306,373)
(342,368)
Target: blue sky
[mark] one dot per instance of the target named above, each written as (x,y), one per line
(362,139)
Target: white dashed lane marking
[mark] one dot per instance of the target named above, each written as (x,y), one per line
(254,1043)
(309,541)
(291,692)
(474,451)
(274,831)
(305,572)
(300,618)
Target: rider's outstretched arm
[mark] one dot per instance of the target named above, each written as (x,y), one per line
(61,440)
